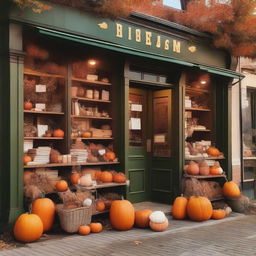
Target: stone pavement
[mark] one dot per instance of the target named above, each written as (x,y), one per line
(234,235)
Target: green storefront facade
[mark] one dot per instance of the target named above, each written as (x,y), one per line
(133,48)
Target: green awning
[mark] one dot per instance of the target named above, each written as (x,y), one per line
(136,52)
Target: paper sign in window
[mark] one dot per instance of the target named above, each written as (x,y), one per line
(136,107)
(159,138)
(135,123)
(40,88)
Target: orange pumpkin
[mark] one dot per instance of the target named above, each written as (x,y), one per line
(218,214)
(216,169)
(86,135)
(28,228)
(230,189)
(110,155)
(212,151)
(192,168)
(26,159)
(96,227)
(45,209)
(179,208)
(159,227)
(28,105)
(97,175)
(199,208)
(75,176)
(119,177)
(106,176)
(122,215)
(61,186)
(100,206)
(142,218)
(84,230)
(58,133)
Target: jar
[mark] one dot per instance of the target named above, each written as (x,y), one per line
(96,94)
(89,94)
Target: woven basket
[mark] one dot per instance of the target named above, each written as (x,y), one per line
(72,219)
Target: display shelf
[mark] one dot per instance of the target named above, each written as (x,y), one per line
(97,212)
(90,100)
(204,158)
(103,185)
(89,81)
(201,130)
(167,85)
(43,138)
(249,180)
(69,164)
(204,176)
(249,158)
(198,109)
(196,90)
(43,112)
(91,117)
(93,138)
(37,73)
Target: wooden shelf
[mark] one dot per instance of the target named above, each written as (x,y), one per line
(201,130)
(90,100)
(69,164)
(43,138)
(197,90)
(36,73)
(167,85)
(249,158)
(93,138)
(204,158)
(43,112)
(89,81)
(204,176)
(198,109)
(103,185)
(91,117)
(249,180)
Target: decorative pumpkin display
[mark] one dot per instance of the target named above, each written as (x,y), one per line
(199,208)
(216,169)
(230,189)
(179,208)
(158,221)
(61,186)
(84,230)
(204,168)
(106,176)
(75,176)
(85,180)
(142,218)
(28,105)
(192,168)
(212,151)
(86,135)
(45,209)
(110,155)
(100,206)
(28,228)
(96,227)
(26,159)
(58,133)
(122,215)
(119,177)
(218,214)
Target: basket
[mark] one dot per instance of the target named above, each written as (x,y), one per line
(72,219)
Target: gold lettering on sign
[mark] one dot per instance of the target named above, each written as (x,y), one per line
(138,35)
(176,46)
(167,44)
(148,38)
(119,30)
(158,41)
(103,25)
(129,33)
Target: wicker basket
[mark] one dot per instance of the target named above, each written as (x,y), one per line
(72,219)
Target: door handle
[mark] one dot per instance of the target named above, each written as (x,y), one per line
(148,145)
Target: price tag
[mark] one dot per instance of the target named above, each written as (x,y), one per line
(40,88)
(102,151)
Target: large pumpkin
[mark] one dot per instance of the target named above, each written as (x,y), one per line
(230,189)
(45,209)
(199,208)
(28,228)
(119,177)
(122,214)
(142,218)
(106,176)
(218,214)
(179,208)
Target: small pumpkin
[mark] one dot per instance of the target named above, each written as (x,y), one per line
(58,133)
(192,168)
(119,177)
(26,159)
(74,177)
(230,189)
(218,214)
(97,175)
(106,177)
(86,135)
(110,155)
(158,221)
(204,168)
(213,151)
(84,230)
(216,169)
(28,228)
(96,227)
(61,186)
(85,180)
(199,208)
(142,218)
(179,208)
(28,105)
(100,206)
(159,227)
(228,210)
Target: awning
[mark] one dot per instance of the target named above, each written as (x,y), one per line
(136,52)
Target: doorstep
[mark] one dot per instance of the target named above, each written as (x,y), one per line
(166,208)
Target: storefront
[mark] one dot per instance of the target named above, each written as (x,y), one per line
(147,83)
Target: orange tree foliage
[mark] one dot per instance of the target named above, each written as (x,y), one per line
(232,25)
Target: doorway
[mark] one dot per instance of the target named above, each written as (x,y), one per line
(150,165)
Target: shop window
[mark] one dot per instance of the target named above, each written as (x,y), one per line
(173,4)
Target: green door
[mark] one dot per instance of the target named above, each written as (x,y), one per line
(149,151)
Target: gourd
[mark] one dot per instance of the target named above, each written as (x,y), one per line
(158,221)
(84,230)
(106,177)
(192,168)
(230,189)
(122,215)
(216,169)
(142,218)
(218,214)
(96,227)
(179,208)
(119,177)
(61,186)
(85,180)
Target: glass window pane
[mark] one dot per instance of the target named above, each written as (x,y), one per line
(172,3)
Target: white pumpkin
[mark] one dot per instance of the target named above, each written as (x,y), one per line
(85,180)
(157,217)
(87,202)
(228,210)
